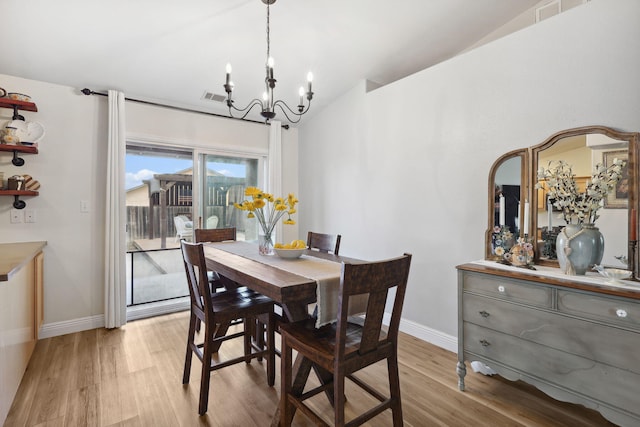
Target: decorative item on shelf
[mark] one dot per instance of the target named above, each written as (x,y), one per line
(19,97)
(9,135)
(268,103)
(268,210)
(579,245)
(16,182)
(30,183)
(27,133)
(1,179)
(3,93)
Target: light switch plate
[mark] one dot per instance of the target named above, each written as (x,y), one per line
(30,215)
(16,216)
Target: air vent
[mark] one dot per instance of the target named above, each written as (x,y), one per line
(210,96)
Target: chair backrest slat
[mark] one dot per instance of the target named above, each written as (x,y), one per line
(374,279)
(324,242)
(195,267)
(215,234)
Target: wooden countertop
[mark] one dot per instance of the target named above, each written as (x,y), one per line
(13,256)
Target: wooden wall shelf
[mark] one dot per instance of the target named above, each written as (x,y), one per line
(27,149)
(20,105)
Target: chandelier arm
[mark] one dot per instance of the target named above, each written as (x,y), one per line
(298,113)
(280,104)
(246,110)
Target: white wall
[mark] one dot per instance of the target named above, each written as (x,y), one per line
(71,167)
(405,167)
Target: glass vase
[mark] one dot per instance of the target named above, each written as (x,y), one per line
(265,244)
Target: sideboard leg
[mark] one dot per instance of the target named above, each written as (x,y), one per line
(461,369)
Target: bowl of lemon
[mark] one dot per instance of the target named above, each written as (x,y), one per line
(290,250)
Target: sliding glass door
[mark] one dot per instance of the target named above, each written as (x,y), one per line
(223,181)
(159,203)
(171,191)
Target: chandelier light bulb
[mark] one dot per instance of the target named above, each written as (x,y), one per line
(270,62)
(228,68)
(301,93)
(265,96)
(309,80)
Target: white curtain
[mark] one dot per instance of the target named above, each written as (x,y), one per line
(115,304)
(275,166)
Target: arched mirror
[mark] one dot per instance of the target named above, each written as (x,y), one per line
(583,150)
(514,178)
(507,196)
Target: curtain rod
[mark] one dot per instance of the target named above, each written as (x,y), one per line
(87,91)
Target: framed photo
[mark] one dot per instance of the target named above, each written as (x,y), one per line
(619,197)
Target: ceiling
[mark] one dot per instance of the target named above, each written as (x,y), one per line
(175,51)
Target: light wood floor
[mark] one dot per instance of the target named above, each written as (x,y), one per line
(132,377)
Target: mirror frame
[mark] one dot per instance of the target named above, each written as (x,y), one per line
(632,209)
(529,167)
(524,190)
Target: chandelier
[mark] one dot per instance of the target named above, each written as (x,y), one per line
(268,103)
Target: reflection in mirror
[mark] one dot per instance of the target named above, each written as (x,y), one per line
(583,152)
(507,189)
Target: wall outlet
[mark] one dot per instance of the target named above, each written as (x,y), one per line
(30,215)
(16,216)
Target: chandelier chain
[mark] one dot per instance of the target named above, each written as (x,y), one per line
(268,31)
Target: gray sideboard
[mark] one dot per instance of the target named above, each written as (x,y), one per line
(576,342)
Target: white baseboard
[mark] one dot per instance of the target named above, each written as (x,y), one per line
(435,337)
(49,330)
(55,329)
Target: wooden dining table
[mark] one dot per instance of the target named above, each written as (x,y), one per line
(293,292)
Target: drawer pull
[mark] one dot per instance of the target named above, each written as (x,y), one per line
(501,289)
(485,343)
(621,313)
(484,313)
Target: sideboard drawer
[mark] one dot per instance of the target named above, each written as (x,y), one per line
(601,308)
(559,331)
(510,290)
(614,387)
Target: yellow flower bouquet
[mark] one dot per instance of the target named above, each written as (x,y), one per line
(268,210)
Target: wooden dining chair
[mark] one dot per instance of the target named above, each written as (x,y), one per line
(342,348)
(324,242)
(220,308)
(216,280)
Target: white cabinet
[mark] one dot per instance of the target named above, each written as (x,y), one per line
(20,314)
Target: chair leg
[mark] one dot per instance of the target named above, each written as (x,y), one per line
(189,355)
(394,389)
(206,373)
(271,347)
(247,337)
(338,396)
(286,386)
